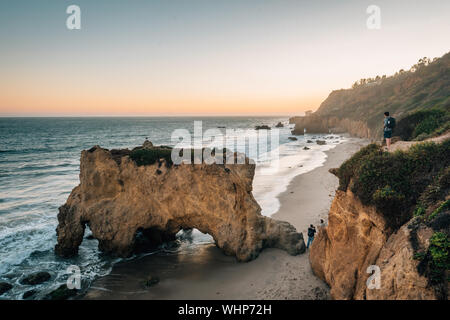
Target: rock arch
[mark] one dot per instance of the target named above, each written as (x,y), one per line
(117,197)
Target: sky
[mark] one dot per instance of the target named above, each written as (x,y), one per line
(208,57)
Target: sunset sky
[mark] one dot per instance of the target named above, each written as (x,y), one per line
(204,56)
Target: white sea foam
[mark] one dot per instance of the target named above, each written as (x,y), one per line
(42,165)
(293,162)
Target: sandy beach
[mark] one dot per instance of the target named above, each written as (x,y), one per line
(209,274)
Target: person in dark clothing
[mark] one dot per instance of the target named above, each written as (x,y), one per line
(322,224)
(311,233)
(389,124)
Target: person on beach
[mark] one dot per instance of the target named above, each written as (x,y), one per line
(311,233)
(389,124)
(322,224)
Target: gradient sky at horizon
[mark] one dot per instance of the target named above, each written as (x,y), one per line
(204,56)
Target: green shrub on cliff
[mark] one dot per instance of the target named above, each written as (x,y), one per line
(436,191)
(434,263)
(144,157)
(438,260)
(439,249)
(388,199)
(348,169)
(444,206)
(394,182)
(423,124)
(420,211)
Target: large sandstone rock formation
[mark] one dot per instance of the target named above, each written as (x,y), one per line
(118,199)
(400,279)
(356,237)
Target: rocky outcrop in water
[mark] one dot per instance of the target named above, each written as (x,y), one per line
(36,278)
(61,293)
(122,202)
(4,287)
(29,294)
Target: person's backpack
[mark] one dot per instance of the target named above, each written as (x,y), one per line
(311,232)
(390,123)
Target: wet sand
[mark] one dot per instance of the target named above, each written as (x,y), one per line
(208,274)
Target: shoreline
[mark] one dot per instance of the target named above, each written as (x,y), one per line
(208,274)
(315,189)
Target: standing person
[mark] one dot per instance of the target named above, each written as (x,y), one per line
(322,224)
(389,124)
(311,232)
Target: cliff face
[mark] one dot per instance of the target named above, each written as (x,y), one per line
(400,279)
(392,211)
(356,237)
(120,201)
(350,243)
(323,124)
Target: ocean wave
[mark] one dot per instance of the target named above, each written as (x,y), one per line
(38,173)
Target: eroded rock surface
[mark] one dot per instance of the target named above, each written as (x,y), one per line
(356,237)
(119,199)
(400,279)
(351,242)
(4,287)
(36,278)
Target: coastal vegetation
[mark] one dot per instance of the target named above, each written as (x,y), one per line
(394,182)
(144,157)
(434,262)
(148,156)
(423,124)
(419,98)
(410,188)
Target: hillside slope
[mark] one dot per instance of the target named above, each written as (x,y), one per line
(426,85)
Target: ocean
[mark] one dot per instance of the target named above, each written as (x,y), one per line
(39,166)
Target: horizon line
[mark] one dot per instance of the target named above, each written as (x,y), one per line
(191,115)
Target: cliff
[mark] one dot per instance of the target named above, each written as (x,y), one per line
(351,242)
(391,210)
(357,237)
(359,110)
(130,199)
(324,124)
